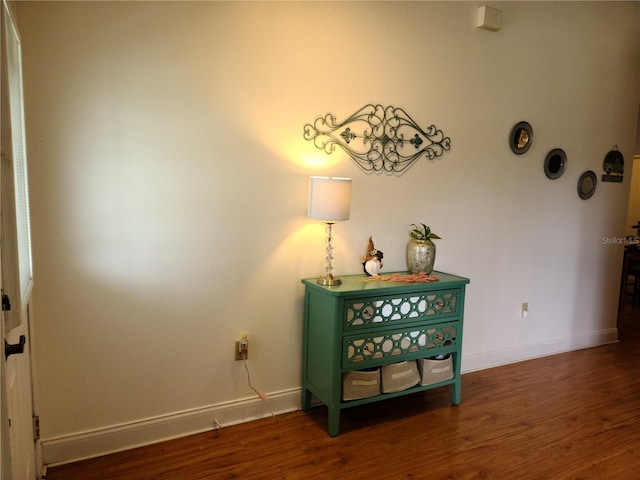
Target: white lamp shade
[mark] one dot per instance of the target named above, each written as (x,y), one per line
(329,198)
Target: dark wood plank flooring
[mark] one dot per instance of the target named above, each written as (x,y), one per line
(569,416)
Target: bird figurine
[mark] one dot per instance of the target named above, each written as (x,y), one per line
(372,260)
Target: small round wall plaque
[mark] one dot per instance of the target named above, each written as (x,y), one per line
(587,185)
(521,138)
(555,163)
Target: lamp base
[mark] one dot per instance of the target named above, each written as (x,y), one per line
(328,281)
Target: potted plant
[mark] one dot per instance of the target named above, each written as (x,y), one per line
(421,251)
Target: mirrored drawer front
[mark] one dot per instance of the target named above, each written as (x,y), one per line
(359,349)
(364,312)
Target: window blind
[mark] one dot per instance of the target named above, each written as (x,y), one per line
(21,186)
(17,269)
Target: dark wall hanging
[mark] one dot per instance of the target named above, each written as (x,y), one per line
(521,138)
(587,185)
(378,138)
(613,166)
(555,163)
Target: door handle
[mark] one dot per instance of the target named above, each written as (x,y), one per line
(15,348)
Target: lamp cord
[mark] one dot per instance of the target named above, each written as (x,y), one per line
(262,396)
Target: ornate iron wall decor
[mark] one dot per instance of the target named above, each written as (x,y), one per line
(378,138)
(613,166)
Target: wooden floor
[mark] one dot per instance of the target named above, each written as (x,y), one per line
(568,416)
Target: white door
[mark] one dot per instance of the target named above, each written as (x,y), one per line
(15,250)
(5,453)
(20,408)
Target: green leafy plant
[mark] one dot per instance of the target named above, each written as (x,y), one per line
(421,232)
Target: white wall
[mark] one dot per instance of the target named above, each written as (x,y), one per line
(169,182)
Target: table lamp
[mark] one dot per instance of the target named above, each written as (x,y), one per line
(329,201)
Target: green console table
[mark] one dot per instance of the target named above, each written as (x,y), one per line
(366,323)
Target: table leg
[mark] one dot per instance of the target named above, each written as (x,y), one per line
(334,420)
(456,388)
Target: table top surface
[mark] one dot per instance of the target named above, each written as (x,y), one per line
(357,284)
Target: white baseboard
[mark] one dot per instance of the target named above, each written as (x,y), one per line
(482,361)
(94,443)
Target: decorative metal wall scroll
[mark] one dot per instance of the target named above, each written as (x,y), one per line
(378,138)
(613,166)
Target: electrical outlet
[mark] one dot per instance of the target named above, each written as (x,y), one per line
(242,348)
(525,310)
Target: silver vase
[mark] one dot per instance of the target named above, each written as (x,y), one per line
(421,255)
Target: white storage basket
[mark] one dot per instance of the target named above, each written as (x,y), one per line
(434,370)
(399,376)
(360,384)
